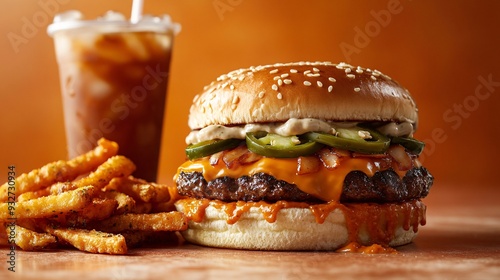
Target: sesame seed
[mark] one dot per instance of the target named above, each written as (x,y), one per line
(274,87)
(279,96)
(373,78)
(351,76)
(273,71)
(280,82)
(276,78)
(261,94)
(236,99)
(315,75)
(285,75)
(287,81)
(359,71)
(320,84)
(331,79)
(242,77)
(357,89)
(307,83)
(348,70)
(231,87)
(293,71)
(330,88)
(307,72)
(315,69)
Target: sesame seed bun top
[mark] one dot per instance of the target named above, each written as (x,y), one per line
(321,90)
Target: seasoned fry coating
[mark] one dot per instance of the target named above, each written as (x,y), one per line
(137,188)
(32,195)
(125,202)
(48,206)
(91,240)
(99,209)
(91,202)
(170,221)
(61,171)
(30,240)
(116,166)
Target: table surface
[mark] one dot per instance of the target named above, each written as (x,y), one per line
(460,241)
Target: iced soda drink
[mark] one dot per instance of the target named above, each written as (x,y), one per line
(114,77)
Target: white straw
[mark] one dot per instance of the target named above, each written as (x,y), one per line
(136,14)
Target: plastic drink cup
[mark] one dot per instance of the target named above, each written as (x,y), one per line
(114,76)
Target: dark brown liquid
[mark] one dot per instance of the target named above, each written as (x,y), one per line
(115,88)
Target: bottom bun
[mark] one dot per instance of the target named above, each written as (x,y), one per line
(297,228)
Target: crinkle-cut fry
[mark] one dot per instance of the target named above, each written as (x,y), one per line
(138,189)
(92,241)
(48,206)
(116,166)
(162,193)
(171,221)
(61,170)
(30,240)
(125,202)
(99,209)
(32,195)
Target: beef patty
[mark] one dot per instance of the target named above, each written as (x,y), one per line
(383,186)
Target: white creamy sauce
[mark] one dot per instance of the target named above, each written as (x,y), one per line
(288,128)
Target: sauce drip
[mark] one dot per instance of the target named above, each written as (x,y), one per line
(354,247)
(367,223)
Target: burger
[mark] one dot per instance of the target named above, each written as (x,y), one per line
(302,156)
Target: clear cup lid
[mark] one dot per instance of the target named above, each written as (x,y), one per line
(111,22)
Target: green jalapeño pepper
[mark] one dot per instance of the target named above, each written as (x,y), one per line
(210,147)
(273,145)
(353,139)
(411,144)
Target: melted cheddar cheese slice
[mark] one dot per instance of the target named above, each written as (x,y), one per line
(325,184)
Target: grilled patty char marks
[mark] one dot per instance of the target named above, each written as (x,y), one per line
(383,186)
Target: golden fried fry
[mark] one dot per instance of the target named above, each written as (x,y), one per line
(48,206)
(162,193)
(75,201)
(91,240)
(99,209)
(32,195)
(136,188)
(116,166)
(170,221)
(30,240)
(125,202)
(61,171)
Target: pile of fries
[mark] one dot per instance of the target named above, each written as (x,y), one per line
(91,202)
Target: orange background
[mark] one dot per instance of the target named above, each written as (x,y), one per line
(437,49)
